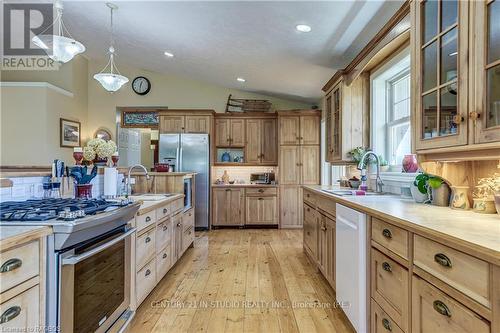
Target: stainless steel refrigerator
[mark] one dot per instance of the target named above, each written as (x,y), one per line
(190,153)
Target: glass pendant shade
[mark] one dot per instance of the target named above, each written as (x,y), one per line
(59,48)
(110,81)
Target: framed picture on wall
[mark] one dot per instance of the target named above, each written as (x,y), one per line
(70,131)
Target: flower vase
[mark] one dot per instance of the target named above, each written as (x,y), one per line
(460,197)
(410,163)
(84,191)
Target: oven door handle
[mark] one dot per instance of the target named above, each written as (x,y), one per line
(73,260)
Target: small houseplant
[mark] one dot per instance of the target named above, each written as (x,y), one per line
(384,165)
(82,180)
(99,151)
(485,194)
(357,153)
(420,188)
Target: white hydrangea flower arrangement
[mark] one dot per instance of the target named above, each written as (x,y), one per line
(99,148)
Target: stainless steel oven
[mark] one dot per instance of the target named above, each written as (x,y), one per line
(95,282)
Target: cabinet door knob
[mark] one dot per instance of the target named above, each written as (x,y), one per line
(458,119)
(227,189)
(386,267)
(147,240)
(10,314)
(165,228)
(441,308)
(323,228)
(474,115)
(387,233)
(179,224)
(442,259)
(387,324)
(148,219)
(165,211)
(261,198)
(164,255)
(147,272)
(11,265)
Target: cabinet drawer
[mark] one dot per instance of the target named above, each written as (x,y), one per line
(145,247)
(177,205)
(391,237)
(188,219)
(22,311)
(163,261)
(145,220)
(187,238)
(163,234)
(461,271)
(435,311)
(327,205)
(389,287)
(163,212)
(310,230)
(19,264)
(309,197)
(381,322)
(145,281)
(261,191)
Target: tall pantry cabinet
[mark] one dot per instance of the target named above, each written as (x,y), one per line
(299,161)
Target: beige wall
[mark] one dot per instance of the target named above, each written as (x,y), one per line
(29,116)
(167,90)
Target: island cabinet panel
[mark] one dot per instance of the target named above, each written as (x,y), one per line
(172,124)
(198,124)
(434,311)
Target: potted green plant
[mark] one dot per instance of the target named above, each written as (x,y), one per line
(440,191)
(384,165)
(420,189)
(357,153)
(486,194)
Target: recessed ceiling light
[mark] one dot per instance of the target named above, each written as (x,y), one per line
(303,28)
(168,54)
(240,79)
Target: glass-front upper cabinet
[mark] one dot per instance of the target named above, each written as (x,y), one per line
(336,123)
(486,90)
(440,32)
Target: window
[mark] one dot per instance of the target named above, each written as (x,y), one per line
(398,131)
(390,110)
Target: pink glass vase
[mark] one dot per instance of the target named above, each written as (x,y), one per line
(410,163)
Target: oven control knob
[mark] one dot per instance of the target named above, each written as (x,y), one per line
(79,213)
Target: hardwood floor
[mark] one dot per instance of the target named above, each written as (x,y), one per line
(250,280)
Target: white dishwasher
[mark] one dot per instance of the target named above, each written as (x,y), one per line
(350,272)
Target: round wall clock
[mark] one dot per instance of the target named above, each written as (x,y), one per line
(141,85)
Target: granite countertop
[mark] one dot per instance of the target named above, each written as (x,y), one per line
(12,235)
(147,206)
(245,185)
(478,232)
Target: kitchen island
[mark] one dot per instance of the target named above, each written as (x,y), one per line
(426,265)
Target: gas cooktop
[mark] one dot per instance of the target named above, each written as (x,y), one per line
(54,210)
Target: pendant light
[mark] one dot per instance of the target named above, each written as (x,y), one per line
(58,47)
(112,80)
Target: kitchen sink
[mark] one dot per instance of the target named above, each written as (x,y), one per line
(150,197)
(345,193)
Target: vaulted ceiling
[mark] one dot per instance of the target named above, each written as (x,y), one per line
(220,41)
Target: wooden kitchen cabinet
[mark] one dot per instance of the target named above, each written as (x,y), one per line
(311,226)
(228,206)
(172,124)
(309,130)
(299,130)
(261,210)
(229,132)
(326,248)
(309,165)
(290,206)
(290,130)
(299,165)
(197,124)
(261,141)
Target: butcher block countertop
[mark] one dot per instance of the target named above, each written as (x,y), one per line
(149,205)
(12,235)
(478,232)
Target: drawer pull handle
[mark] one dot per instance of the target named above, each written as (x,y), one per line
(179,224)
(441,308)
(386,267)
(387,233)
(261,198)
(164,255)
(261,191)
(147,240)
(387,324)
(323,228)
(165,228)
(443,260)
(148,219)
(165,211)
(10,314)
(227,189)
(11,265)
(147,272)
(308,209)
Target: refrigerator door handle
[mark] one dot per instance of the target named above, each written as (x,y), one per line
(181,168)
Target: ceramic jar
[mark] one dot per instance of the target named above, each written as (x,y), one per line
(459,197)
(484,206)
(410,163)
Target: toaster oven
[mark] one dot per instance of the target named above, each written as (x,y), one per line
(262,178)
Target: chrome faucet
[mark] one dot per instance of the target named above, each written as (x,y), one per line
(362,166)
(129,186)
